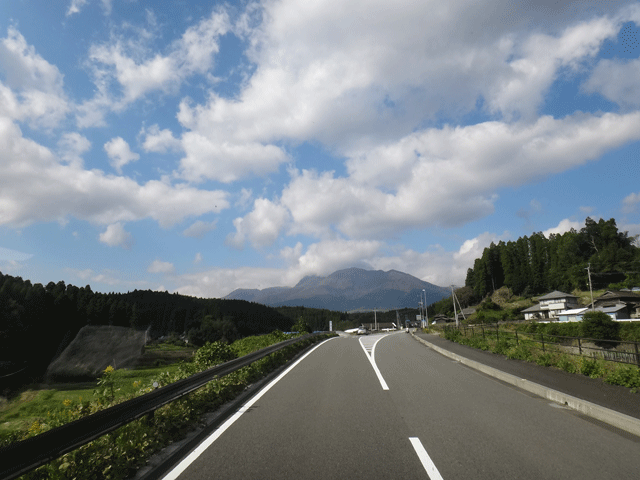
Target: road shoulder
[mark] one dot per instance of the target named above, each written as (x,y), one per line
(612,404)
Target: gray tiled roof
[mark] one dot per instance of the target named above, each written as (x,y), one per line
(556,294)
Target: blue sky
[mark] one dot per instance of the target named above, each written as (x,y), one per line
(201,147)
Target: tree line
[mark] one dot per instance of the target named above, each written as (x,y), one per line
(536,264)
(37,322)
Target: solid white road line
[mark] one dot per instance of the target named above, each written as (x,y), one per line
(428,465)
(373,362)
(182,466)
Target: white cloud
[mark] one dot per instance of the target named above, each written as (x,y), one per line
(210,156)
(8,254)
(160,141)
(630,202)
(116,236)
(75,6)
(616,80)
(71,146)
(321,75)
(564,226)
(219,282)
(35,186)
(197,259)
(107,277)
(199,229)
(33,88)
(261,227)
(138,71)
(446,176)
(521,87)
(158,266)
(119,153)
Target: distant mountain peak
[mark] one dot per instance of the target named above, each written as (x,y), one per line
(348,289)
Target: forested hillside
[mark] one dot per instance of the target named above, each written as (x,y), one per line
(37,322)
(537,264)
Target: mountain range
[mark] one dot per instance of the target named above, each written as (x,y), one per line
(348,290)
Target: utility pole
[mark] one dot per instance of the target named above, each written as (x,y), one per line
(590,289)
(455,313)
(426,314)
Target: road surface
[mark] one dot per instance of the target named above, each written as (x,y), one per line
(386,406)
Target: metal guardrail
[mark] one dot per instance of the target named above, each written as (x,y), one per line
(26,455)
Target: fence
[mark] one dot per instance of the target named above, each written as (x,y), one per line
(22,457)
(619,351)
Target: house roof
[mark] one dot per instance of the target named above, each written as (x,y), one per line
(535,308)
(556,294)
(618,295)
(574,311)
(615,308)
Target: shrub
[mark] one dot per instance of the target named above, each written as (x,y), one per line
(519,352)
(545,359)
(591,367)
(599,325)
(489,304)
(213,353)
(501,347)
(474,341)
(301,326)
(565,362)
(625,375)
(452,334)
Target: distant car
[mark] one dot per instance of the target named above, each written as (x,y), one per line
(361,331)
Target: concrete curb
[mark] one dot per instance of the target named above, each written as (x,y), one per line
(608,416)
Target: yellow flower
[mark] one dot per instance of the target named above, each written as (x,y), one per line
(109,369)
(66,402)
(35,427)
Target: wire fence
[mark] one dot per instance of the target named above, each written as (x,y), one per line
(619,351)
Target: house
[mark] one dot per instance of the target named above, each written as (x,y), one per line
(466,313)
(573,315)
(440,319)
(550,305)
(616,312)
(629,301)
(614,298)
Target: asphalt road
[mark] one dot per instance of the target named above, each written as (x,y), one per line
(421,416)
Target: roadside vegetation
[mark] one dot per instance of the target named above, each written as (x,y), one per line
(119,454)
(519,341)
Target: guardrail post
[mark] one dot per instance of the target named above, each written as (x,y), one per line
(517,337)
(542,340)
(580,346)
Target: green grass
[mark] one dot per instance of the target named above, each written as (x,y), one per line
(167,347)
(38,402)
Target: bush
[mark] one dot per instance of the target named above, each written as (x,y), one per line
(520,353)
(591,367)
(301,326)
(213,353)
(599,325)
(501,347)
(625,375)
(566,363)
(489,304)
(545,359)
(452,334)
